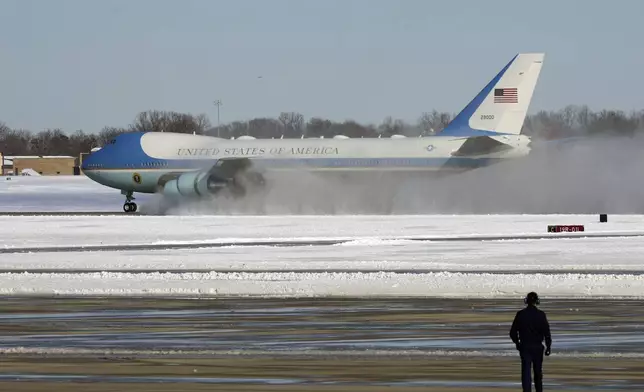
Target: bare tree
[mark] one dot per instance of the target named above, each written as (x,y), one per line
(80,142)
(160,121)
(292,123)
(425,124)
(318,127)
(150,121)
(265,128)
(108,133)
(613,122)
(237,129)
(14,141)
(202,123)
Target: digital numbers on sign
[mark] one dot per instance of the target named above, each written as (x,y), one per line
(565,228)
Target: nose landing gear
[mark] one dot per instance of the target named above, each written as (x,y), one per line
(129,206)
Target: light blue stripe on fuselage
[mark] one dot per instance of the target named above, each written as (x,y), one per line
(307,163)
(151,172)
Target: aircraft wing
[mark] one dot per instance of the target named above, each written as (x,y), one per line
(228,168)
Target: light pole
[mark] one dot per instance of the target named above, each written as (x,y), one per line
(218,104)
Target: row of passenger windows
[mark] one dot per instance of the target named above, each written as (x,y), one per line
(145,164)
(154,164)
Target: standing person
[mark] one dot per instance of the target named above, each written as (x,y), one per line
(529,329)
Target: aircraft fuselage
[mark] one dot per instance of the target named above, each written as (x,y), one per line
(139,164)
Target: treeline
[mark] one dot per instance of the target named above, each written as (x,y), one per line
(569,121)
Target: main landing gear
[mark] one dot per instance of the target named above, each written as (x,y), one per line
(129,206)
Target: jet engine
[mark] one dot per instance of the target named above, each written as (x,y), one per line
(231,177)
(199,184)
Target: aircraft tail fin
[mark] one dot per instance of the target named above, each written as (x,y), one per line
(502,105)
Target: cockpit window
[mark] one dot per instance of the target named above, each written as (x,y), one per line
(113,141)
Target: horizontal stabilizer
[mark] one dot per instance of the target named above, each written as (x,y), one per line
(480,145)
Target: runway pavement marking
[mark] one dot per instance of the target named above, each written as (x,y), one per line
(79,271)
(303,353)
(68,213)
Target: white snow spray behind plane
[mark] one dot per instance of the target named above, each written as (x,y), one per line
(184,166)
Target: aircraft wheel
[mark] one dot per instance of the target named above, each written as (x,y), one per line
(129,207)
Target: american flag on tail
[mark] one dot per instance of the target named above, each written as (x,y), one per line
(506,95)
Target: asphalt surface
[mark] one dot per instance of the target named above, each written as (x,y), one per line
(333,344)
(304,325)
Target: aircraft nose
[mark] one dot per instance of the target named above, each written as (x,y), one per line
(91,163)
(88,161)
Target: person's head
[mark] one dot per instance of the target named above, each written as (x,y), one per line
(531,299)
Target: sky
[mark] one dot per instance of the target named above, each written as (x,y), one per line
(86,64)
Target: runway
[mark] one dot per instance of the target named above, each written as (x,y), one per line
(67,213)
(317,256)
(307,242)
(321,344)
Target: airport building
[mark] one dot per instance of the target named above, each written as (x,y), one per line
(6,166)
(39,165)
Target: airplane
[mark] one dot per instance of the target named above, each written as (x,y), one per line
(486,131)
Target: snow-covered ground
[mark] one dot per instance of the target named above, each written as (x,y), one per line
(57,193)
(26,231)
(376,262)
(548,256)
(443,284)
(379,259)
